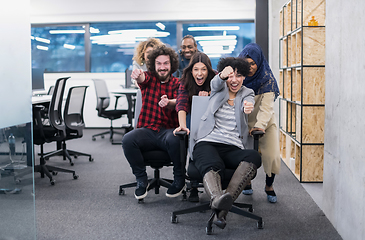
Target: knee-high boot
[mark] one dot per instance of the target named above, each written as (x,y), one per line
(213,187)
(241,177)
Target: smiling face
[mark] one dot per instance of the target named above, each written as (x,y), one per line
(188,48)
(163,67)
(253,67)
(234,82)
(200,73)
(146,52)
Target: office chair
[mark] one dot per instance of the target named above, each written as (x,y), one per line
(74,119)
(156,159)
(54,132)
(196,179)
(102,103)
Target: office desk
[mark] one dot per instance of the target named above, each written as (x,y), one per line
(41,99)
(129,93)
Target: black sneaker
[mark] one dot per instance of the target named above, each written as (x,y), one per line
(141,189)
(176,188)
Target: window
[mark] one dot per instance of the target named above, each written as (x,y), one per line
(58,48)
(109,47)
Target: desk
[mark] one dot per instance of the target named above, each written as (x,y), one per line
(128,92)
(41,99)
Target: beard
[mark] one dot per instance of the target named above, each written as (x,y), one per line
(163,77)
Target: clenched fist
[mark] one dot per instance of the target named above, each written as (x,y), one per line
(247,107)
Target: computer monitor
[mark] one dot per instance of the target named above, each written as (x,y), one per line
(128,79)
(37,80)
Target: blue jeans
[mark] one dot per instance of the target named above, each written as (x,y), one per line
(144,139)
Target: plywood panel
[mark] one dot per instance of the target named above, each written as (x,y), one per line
(287,18)
(312,163)
(297,84)
(314,46)
(281,22)
(314,85)
(312,125)
(284,50)
(281,82)
(316,8)
(293,50)
(298,49)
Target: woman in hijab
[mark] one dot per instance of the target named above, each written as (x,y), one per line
(262,81)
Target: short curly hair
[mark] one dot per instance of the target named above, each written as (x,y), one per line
(141,48)
(240,64)
(163,50)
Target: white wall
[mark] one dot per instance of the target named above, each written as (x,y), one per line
(69,11)
(344,159)
(15,63)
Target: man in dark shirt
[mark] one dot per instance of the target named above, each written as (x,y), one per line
(157,119)
(188,48)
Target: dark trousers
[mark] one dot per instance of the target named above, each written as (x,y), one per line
(217,157)
(144,139)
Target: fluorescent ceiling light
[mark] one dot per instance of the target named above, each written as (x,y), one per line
(42,48)
(66,31)
(218,49)
(218,43)
(31,37)
(42,40)
(208,38)
(68,46)
(161,26)
(214,55)
(214,28)
(94,30)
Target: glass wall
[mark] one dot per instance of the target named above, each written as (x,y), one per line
(109,47)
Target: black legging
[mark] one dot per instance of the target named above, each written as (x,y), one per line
(217,156)
(270,180)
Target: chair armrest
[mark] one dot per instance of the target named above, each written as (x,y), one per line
(116,101)
(183,150)
(38,111)
(257,134)
(100,106)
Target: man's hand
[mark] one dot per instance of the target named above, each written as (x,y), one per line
(138,74)
(164,101)
(227,71)
(247,107)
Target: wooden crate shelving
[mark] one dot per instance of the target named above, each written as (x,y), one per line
(302,85)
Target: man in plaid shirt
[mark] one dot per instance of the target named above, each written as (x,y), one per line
(157,119)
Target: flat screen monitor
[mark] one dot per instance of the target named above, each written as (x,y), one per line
(37,79)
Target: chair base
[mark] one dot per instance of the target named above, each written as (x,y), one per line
(111,133)
(236,208)
(155,183)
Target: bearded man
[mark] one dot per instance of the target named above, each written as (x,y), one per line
(157,119)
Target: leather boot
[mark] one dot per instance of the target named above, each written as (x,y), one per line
(241,177)
(213,187)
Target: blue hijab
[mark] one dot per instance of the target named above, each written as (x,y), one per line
(263,80)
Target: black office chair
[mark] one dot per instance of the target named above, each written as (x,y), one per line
(102,104)
(54,132)
(74,119)
(156,159)
(196,179)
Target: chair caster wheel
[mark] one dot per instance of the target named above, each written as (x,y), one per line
(93,139)
(260,224)
(121,192)
(102,136)
(75,156)
(52,181)
(72,163)
(250,209)
(209,230)
(174,219)
(76,176)
(54,173)
(91,159)
(140,201)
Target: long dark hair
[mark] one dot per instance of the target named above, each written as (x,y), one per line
(187,77)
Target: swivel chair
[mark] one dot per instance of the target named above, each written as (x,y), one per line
(156,159)
(196,179)
(102,103)
(54,132)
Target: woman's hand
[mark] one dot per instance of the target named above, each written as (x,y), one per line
(203,93)
(178,129)
(247,107)
(227,71)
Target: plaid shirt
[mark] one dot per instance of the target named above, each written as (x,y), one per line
(183,103)
(152,116)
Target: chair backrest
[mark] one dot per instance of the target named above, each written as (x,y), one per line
(50,90)
(55,107)
(128,78)
(198,107)
(74,108)
(102,92)
(137,107)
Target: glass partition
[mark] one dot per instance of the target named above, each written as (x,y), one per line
(17,202)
